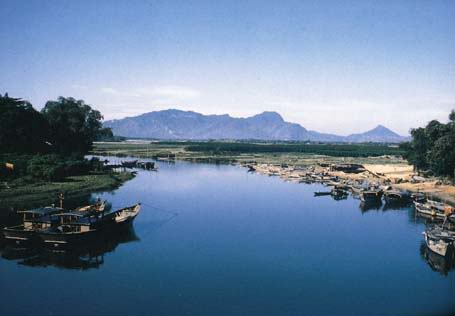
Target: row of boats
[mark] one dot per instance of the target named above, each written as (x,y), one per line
(440,239)
(57,228)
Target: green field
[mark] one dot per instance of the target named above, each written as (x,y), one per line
(261,152)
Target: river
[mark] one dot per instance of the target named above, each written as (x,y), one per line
(216,240)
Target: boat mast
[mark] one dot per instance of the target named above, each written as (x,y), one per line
(61,197)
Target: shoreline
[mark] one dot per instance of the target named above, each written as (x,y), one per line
(380,168)
(397,176)
(46,193)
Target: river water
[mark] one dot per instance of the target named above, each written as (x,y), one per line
(216,240)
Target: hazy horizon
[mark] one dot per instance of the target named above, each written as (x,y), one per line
(337,67)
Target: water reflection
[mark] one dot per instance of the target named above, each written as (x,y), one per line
(436,262)
(81,258)
(370,205)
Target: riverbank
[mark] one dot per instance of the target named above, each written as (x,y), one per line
(18,193)
(380,169)
(399,176)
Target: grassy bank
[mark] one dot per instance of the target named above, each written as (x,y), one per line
(18,193)
(242,152)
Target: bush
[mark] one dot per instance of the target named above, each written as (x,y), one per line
(77,167)
(46,167)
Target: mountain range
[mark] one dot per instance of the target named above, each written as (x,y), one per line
(176,124)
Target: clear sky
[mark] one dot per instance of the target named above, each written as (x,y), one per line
(332,66)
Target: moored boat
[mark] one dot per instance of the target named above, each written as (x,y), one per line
(322,193)
(32,220)
(395,196)
(81,229)
(371,195)
(439,240)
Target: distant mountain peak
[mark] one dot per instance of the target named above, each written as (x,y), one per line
(269,116)
(379,134)
(381,129)
(268,125)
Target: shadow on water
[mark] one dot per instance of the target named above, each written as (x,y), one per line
(436,262)
(81,258)
(369,206)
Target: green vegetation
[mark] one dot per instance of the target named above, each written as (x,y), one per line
(432,148)
(20,193)
(252,152)
(73,125)
(43,152)
(335,150)
(66,127)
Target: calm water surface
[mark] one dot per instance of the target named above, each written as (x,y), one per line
(216,240)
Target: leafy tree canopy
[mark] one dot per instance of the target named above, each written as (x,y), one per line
(22,128)
(433,147)
(74,125)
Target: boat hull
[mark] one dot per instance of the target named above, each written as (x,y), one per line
(438,245)
(19,235)
(115,222)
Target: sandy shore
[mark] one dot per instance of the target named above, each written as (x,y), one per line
(399,176)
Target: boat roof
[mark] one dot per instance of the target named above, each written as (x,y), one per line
(42,210)
(72,213)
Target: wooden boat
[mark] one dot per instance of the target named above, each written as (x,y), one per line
(337,193)
(32,220)
(437,262)
(426,209)
(451,218)
(129,164)
(98,207)
(321,193)
(371,195)
(356,190)
(146,165)
(81,229)
(395,196)
(418,197)
(439,240)
(435,210)
(251,168)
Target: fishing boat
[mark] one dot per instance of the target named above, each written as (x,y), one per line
(439,240)
(371,195)
(76,228)
(98,207)
(322,193)
(129,164)
(338,193)
(32,220)
(451,218)
(418,197)
(425,209)
(435,209)
(395,196)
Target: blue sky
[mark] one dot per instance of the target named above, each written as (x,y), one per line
(333,66)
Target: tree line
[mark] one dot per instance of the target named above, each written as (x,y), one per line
(336,150)
(48,144)
(66,126)
(432,148)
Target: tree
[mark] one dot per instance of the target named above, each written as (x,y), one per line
(420,146)
(22,128)
(74,125)
(433,147)
(442,156)
(104,134)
